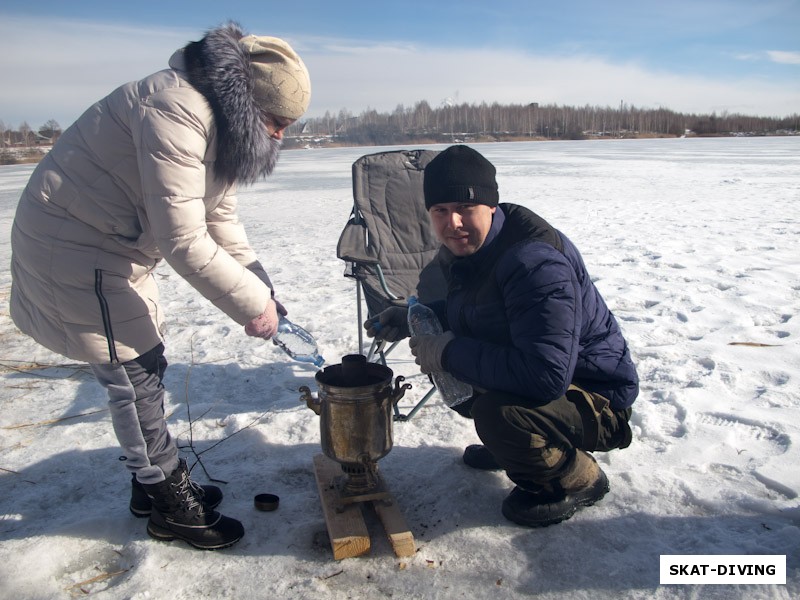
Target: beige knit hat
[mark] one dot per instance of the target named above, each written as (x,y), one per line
(281,85)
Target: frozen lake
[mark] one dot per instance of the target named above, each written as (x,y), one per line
(693,242)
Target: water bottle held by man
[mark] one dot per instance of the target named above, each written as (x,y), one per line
(423,321)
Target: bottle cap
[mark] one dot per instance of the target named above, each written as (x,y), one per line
(266,502)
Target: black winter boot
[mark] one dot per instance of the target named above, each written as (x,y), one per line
(583,485)
(210,496)
(478,456)
(178,513)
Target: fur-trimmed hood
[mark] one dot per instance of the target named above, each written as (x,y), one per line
(219,68)
(147,172)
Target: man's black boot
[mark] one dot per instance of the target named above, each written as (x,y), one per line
(478,456)
(582,485)
(178,513)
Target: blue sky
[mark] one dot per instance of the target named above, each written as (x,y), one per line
(697,56)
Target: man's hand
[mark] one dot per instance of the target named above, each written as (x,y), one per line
(390,325)
(428,350)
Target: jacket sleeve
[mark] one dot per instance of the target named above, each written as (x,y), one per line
(226,230)
(172,144)
(542,305)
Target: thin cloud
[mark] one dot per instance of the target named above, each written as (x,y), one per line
(83,61)
(784,58)
(382,79)
(57,68)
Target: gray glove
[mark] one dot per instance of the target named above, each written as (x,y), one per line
(390,325)
(428,350)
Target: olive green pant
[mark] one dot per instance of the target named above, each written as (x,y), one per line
(536,444)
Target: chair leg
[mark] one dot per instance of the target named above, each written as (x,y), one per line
(376,347)
(377,353)
(358,325)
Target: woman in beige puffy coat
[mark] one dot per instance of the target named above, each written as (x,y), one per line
(146,173)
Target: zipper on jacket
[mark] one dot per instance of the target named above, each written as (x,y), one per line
(98,290)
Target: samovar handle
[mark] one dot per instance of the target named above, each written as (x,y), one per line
(399,390)
(307,397)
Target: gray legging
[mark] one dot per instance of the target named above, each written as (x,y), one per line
(136,401)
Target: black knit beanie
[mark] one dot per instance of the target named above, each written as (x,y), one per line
(460,174)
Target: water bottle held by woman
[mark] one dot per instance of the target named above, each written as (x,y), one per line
(297,342)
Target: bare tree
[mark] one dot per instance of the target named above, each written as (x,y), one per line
(25,133)
(50,130)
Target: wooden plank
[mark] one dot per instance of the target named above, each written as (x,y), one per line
(346,529)
(401,538)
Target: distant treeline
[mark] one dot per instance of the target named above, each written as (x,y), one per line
(452,122)
(487,122)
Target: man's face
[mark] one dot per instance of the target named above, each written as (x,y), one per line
(461,226)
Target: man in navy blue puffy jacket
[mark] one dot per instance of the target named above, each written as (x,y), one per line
(527,328)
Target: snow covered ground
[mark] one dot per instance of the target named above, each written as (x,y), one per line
(694,244)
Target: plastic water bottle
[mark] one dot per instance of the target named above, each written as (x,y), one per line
(297,342)
(423,321)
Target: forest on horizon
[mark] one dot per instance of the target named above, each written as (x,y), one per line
(504,122)
(452,122)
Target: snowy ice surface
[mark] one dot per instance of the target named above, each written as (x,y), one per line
(694,244)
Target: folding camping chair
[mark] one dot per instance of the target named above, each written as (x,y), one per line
(388,244)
